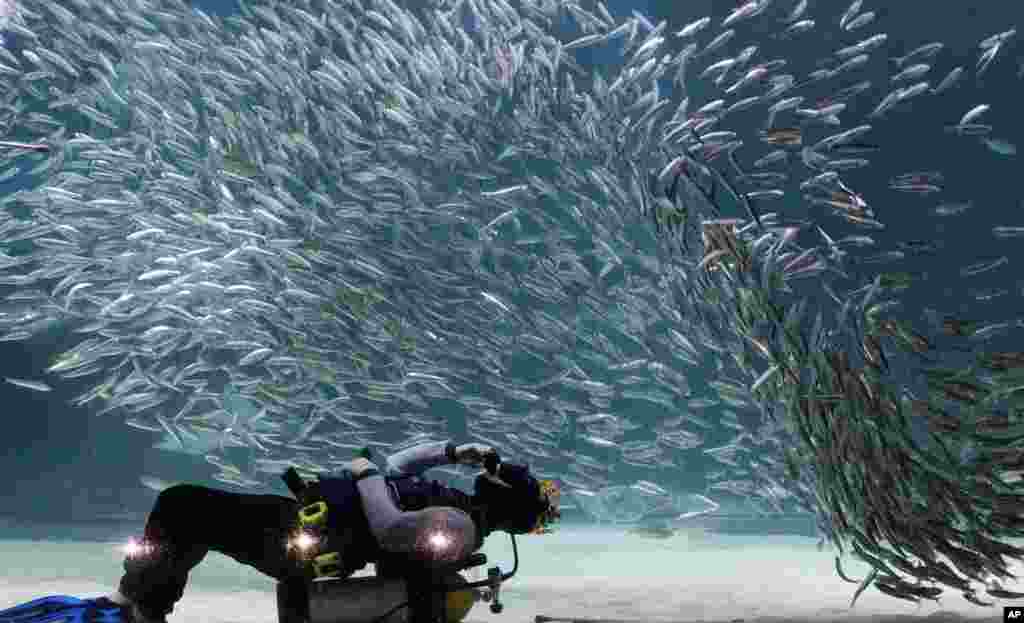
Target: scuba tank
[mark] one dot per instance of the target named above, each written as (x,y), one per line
(421,592)
(375,599)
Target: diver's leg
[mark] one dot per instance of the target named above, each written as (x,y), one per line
(189,520)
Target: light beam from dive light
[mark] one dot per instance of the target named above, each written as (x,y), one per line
(136,549)
(303,541)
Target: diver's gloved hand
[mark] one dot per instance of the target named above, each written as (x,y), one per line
(472,453)
(362,468)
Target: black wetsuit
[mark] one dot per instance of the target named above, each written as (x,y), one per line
(188,521)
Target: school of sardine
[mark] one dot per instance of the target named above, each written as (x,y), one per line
(317,226)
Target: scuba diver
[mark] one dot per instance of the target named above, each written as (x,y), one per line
(370,517)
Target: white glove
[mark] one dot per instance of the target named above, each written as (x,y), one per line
(472,453)
(360,466)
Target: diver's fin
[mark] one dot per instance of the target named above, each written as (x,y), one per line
(66,609)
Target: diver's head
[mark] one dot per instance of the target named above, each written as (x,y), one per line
(515,501)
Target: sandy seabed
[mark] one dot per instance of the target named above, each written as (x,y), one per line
(579,574)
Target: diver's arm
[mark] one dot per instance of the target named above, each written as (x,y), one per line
(418,459)
(399,531)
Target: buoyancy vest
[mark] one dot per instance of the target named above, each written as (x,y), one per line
(348,528)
